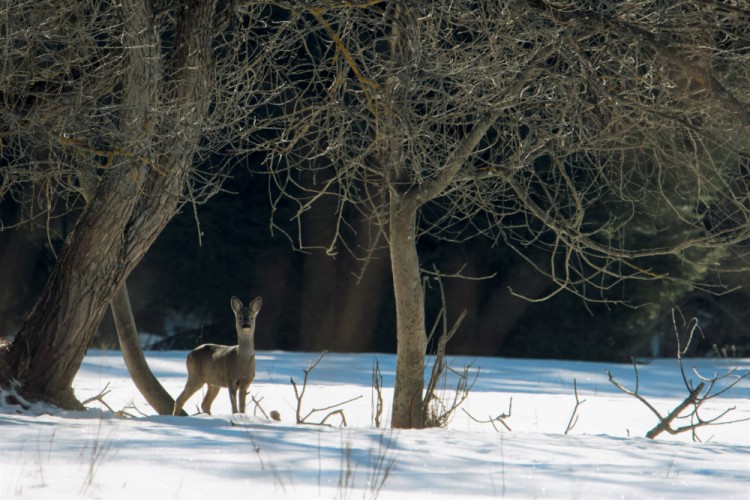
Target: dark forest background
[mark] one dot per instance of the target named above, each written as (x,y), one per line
(314,301)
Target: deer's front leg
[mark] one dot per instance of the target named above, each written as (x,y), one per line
(243,396)
(232,387)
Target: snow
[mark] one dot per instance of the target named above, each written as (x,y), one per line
(48,453)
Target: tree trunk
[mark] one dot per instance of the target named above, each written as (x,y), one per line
(19,256)
(108,241)
(319,275)
(464,295)
(272,274)
(363,289)
(410,323)
(358,315)
(130,345)
(133,202)
(127,331)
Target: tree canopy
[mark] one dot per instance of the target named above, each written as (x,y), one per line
(604,143)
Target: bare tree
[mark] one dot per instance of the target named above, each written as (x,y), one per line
(567,126)
(123,104)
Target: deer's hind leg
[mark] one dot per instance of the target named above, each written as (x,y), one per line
(191,387)
(208,399)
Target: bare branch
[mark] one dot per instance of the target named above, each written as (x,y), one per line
(377,390)
(537,124)
(574,415)
(697,395)
(99,397)
(300,393)
(635,395)
(436,412)
(491,420)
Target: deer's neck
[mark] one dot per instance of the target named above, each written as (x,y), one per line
(245,344)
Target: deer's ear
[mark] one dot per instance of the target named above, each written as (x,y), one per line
(236,304)
(255,305)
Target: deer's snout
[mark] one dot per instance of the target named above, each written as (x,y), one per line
(245,323)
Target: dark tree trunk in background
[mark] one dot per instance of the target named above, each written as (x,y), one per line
(365,287)
(273,273)
(464,295)
(361,303)
(318,285)
(508,302)
(19,256)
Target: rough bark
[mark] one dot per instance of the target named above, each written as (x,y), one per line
(127,331)
(103,248)
(410,317)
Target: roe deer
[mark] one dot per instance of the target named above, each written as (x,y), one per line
(220,366)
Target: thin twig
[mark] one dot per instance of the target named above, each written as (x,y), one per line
(377,390)
(258,406)
(299,394)
(99,397)
(435,412)
(491,420)
(574,416)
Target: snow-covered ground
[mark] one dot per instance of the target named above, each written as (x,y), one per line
(45,453)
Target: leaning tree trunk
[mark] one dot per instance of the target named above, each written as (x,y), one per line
(132,204)
(111,237)
(411,332)
(127,331)
(127,334)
